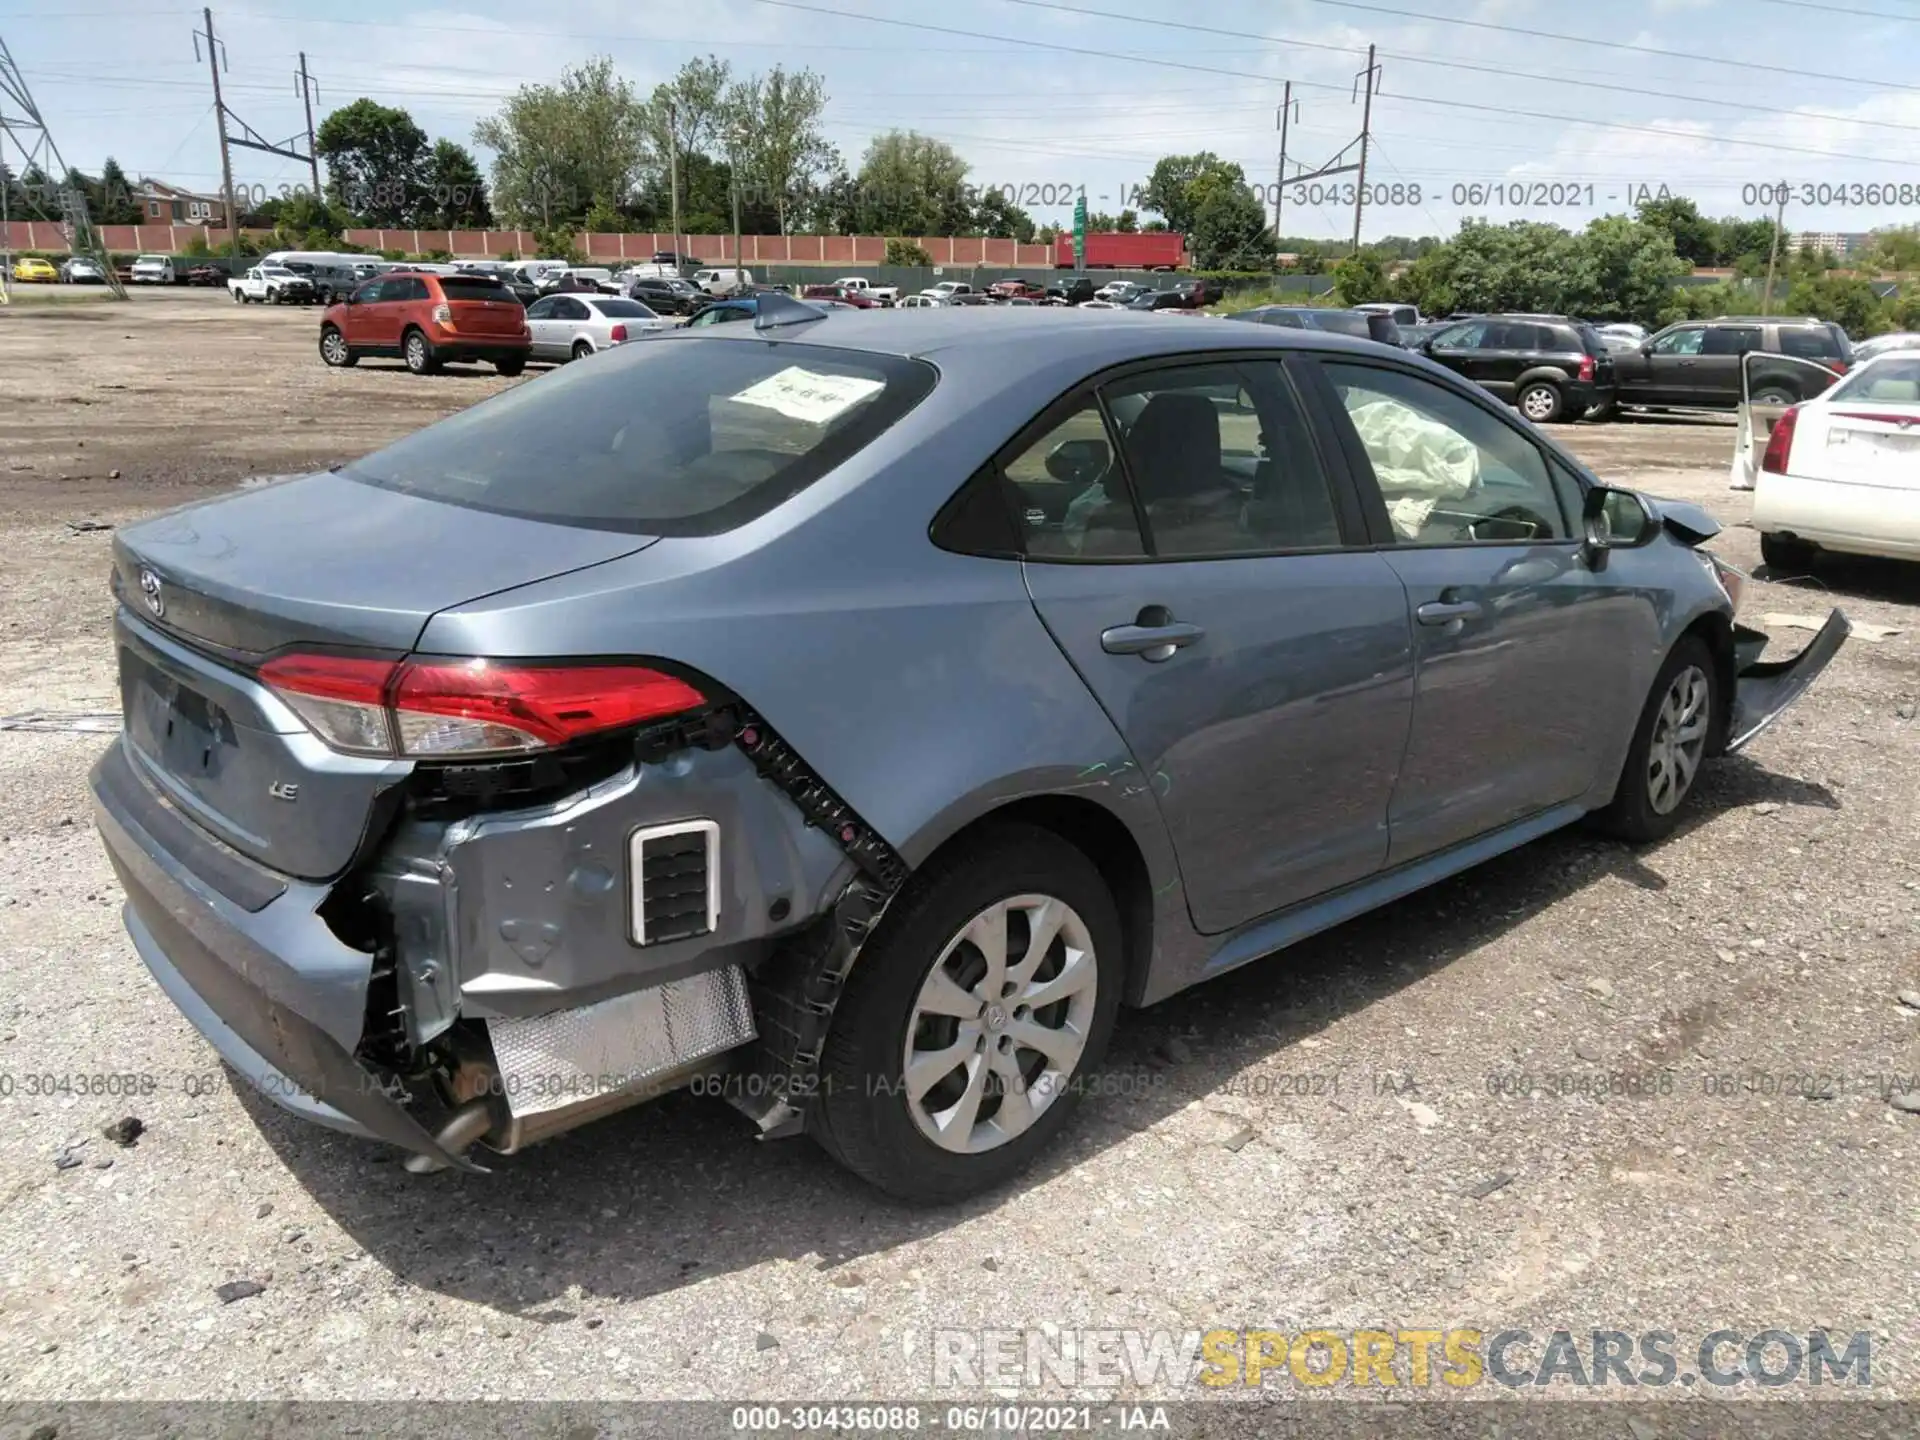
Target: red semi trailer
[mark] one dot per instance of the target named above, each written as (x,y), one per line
(1113,250)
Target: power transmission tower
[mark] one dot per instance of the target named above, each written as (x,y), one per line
(248,137)
(1339,164)
(21,123)
(1371,78)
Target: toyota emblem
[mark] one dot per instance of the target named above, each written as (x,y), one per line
(150,592)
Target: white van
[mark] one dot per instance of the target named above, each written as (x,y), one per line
(721,281)
(153,270)
(537,272)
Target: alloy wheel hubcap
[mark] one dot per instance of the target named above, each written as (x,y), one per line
(1538,403)
(1000,1023)
(1679,740)
(336,347)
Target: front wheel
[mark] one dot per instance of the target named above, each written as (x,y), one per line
(1605,410)
(1774,395)
(1669,744)
(1541,402)
(971,1024)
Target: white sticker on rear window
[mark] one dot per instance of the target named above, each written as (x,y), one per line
(808,395)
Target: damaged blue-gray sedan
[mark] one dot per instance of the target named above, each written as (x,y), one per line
(849,714)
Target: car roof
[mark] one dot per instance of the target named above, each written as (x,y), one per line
(1031,340)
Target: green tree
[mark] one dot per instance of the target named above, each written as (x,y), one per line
(905,252)
(117,203)
(682,119)
(1854,304)
(456,197)
(1894,249)
(787,150)
(1359,278)
(1623,270)
(1168,189)
(1696,239)
(1127,222)
(1230,228)
(603,219)
(557,147)
(995,215)
(912,184)
(376,162)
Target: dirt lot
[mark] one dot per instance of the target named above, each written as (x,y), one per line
(1405,1123)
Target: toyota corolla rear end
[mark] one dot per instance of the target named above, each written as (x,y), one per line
(439,898)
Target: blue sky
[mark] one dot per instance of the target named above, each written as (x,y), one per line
(1460,105)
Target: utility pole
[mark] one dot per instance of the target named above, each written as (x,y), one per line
(1773,251)
(1369,78)
(309,87)
(247,136)
(1280,191)
(226,154)
(673,178)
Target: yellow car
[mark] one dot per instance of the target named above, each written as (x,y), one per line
(28,269)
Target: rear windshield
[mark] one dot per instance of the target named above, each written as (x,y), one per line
(1340,322)
(624,309)
(1894,380)
(680,437)
(473,287)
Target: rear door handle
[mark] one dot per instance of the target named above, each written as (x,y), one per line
(1446,612)
(1149,642)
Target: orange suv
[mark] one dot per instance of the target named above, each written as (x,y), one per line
(428,321)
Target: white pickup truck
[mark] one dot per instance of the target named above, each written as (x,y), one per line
(270,285)
(879,294)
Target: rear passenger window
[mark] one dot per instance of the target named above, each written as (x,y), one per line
(1732,340)
(1809,343)
(1450,473)
(1221,462)
(1071,494)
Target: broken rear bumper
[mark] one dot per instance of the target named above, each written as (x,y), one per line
(1764,688)
(248,960)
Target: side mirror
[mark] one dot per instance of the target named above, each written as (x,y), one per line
(1646,347)
(1616,520)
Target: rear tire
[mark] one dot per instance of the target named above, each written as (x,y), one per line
(581,350)
(239,298)
(1790,556)
(1605,410)
(418,351)
(1541,401)
(511,367)
(1774,395)
(923,987)
(1669,746)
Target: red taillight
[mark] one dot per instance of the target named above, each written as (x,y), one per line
(1586,368)
(1839,367)
(461,708)
(1780,442)
(618,333)
(443,315)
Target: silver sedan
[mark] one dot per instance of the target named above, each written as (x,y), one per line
(570,327)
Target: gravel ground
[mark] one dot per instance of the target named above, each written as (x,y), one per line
(1341,1137)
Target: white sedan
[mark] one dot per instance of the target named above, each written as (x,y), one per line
(1842,471)
(574,325)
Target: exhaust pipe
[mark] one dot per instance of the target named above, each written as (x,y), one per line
(463,1128)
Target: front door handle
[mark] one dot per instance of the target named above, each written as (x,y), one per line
(1149,642)
(1447,612)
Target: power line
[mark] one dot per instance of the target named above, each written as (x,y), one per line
(1405,99)
(1456,64)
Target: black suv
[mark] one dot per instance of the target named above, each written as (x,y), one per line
(1547,366)
(668,297)
(1696,363)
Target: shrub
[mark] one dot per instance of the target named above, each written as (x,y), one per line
(905,252)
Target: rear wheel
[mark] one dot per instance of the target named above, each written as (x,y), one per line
(510,366)
(1541,401)
(1783,554)
(1669,745)
(239,297)
(333,347)
(970,1024)
(1774,395)
(582,349)
(419,353)
(1605,410)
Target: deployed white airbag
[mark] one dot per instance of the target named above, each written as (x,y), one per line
(1419,462)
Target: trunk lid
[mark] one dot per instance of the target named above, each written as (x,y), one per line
(1872,443)
(502,319)
(317,561)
